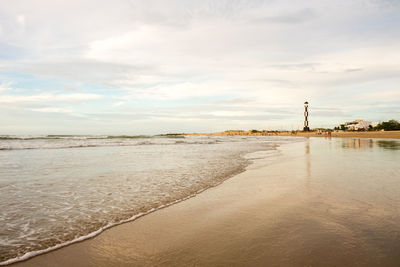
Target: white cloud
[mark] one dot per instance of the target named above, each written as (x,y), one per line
(53,110)
(50,98)
(276,54)
(5,86)
(21,20)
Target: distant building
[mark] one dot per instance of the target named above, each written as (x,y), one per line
(306,128)
(358,125)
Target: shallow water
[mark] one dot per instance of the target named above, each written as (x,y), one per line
(56,190)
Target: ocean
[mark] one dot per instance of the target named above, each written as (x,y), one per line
(56,190)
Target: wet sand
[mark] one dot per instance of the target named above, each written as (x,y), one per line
(320,203)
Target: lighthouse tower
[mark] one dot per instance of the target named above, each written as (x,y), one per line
(306,128)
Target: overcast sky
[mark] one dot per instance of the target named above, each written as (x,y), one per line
(148,67)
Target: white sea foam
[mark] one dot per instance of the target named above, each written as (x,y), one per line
(31,254)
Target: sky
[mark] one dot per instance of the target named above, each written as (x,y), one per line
(162,66)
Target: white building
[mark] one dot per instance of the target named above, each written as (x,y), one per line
(358,125)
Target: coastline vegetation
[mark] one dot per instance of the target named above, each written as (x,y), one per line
(391,125)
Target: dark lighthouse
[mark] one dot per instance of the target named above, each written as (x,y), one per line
(306,128)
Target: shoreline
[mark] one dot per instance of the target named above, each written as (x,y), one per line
(33,254)
(249,219)
(30,258)
(367,134)
(37,253)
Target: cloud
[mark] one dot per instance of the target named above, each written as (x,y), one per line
(87,71)
(5,86)
(53,110)
(10,52)
(52,98)
(219,63)
(353,70)
(386,96)
(21,20)
(293,18)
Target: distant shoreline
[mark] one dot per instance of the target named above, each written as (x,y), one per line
(367,134)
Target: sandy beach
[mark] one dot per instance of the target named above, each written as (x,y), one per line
(372,134)
(303,208)
(342,134)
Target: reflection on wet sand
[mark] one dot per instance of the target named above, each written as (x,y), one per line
(395,145)
(354,202)
(308,163)
(359,143)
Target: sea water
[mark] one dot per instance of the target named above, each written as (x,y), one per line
(55,190)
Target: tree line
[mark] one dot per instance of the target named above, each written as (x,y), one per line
(391,125)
